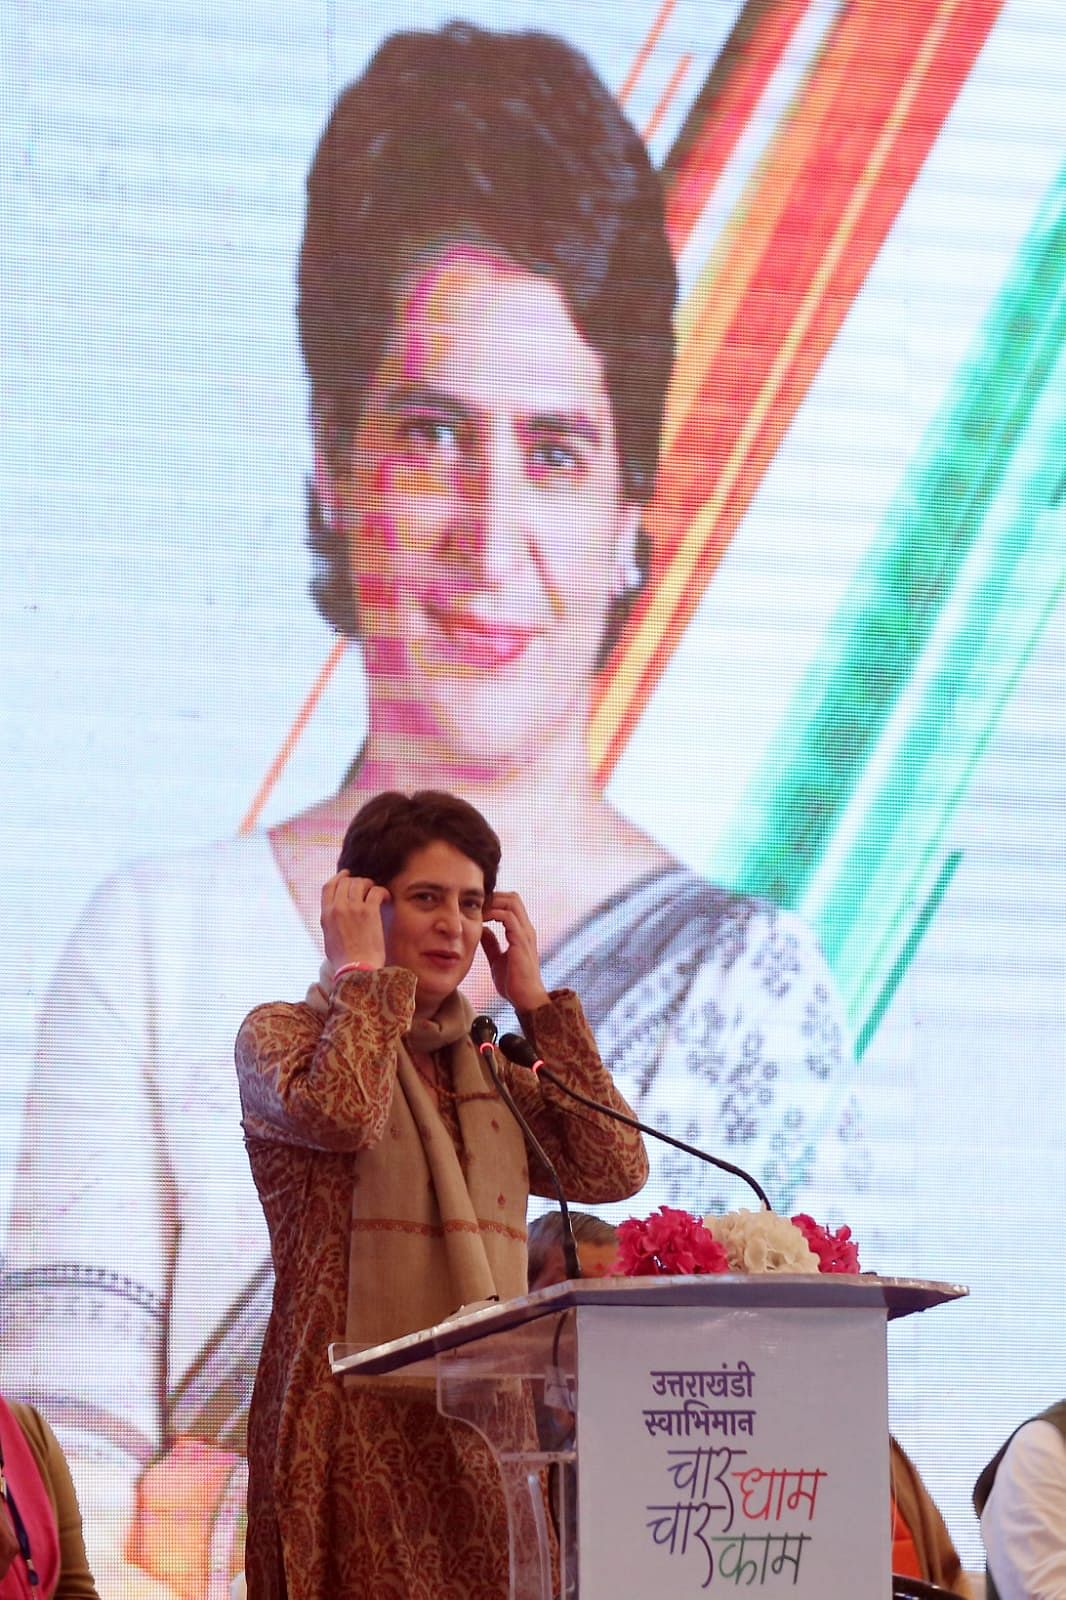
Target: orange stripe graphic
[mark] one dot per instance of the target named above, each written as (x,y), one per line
(640,60)
(292,738)
(775,299)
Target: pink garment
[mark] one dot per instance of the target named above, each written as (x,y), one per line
(24,1484)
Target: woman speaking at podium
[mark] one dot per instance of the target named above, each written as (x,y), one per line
(394,1181)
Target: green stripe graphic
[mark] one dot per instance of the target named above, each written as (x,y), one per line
(847,818)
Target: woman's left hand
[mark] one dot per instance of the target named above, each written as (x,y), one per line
(515,966)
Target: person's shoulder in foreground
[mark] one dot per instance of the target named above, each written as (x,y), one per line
(74,1581)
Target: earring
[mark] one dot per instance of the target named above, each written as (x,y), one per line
(629,578)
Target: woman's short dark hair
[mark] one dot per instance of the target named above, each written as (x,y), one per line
(505,139)
(385,833)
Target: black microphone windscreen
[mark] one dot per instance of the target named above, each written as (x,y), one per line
(519,1050)
(482,1030)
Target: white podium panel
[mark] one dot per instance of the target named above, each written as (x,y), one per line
(727,1448)
(720,1433)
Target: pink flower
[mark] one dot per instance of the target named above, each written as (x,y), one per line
(669,1243)
(836,1252)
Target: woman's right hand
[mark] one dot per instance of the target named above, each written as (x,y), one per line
(351,920)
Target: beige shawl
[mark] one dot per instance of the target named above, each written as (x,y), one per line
(434,1228)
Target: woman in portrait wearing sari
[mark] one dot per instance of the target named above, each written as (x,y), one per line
(486,296)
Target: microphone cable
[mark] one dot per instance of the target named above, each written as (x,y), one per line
(519,1050)
(483,1033)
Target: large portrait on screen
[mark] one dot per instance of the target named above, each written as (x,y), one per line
(623,523)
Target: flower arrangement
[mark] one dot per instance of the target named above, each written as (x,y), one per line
(761,1241)
(672,1242)
(836,1252)
(668,1243)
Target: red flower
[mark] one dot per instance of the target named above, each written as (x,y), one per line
(836,1252)
(669,1243)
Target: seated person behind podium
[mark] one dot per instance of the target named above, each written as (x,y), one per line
(596,1241)
(921,1544)
(395,1183)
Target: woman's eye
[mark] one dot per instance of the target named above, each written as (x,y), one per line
(429,432)
(556,455)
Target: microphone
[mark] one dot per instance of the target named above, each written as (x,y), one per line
(517,1048)
(522,1053)
(483,1032)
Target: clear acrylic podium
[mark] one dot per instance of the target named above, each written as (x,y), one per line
(716,1432)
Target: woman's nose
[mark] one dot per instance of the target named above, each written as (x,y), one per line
(449,917)
(493,535)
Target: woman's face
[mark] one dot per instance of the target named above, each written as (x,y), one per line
(433,920)
(482,500)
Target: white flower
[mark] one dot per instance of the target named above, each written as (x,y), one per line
(761,1241)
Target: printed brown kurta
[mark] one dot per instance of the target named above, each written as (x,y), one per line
(364,1493)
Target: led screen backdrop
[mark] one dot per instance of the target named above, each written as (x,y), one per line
(840,686)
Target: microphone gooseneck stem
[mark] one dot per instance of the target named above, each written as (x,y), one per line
(519,1050)
(483,1039)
